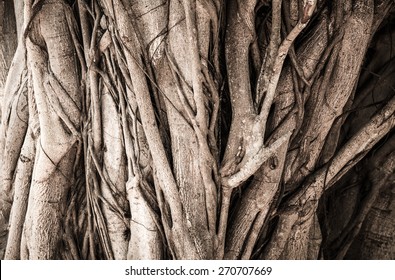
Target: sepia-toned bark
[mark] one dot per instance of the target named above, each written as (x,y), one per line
(209,129)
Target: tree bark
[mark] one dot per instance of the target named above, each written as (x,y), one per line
(196,129)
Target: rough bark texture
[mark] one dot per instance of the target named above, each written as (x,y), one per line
(210,129)
(8,40)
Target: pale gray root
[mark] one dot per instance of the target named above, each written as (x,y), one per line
(57,144)
(179,82)
(237,42)
(13,129)
(246,147)
(91,55)
(145,240)
(190,88)
(113,185)
(182,81)
(199,18)
(334,94)
(270,54)
(46,209)
(244,155)
(24,253)
(151,32)
(254,163)
(22,182)
(308,55)
(176,229)
(19,16)
(281,53)
(190,183)
(8,41)
(255,206)
(146,235)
